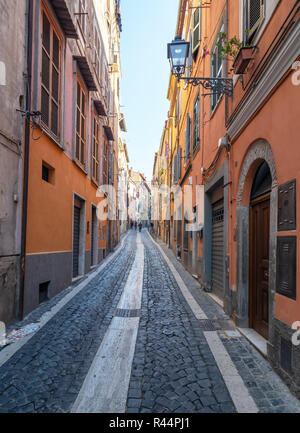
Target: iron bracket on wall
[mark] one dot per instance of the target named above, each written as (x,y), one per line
(217,85)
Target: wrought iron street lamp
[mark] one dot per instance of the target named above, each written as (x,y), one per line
(178,52)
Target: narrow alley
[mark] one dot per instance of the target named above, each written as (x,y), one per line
(137,335)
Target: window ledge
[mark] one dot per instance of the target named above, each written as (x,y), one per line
(80,166)
(49,134)
(95,182)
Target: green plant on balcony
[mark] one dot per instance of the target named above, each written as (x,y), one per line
(241,54)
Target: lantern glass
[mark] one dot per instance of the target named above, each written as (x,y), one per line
(178,53)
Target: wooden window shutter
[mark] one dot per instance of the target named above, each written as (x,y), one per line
(179,164)
(175,165)
(189,135)
(186,144)
(255,15)
(190,58)
(196,32)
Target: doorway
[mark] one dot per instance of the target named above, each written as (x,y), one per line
(259,251)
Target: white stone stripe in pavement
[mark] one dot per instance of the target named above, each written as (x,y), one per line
(105,387)
(10,350)
(195,307)
(238,391)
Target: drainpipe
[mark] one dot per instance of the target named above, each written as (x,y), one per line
(26,152)
(226,60)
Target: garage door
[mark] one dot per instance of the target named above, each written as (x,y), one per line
(218,248)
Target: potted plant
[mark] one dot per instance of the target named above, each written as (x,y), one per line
(234,49)
(242,60)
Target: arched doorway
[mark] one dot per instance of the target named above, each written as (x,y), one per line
(259,257)
(256,194)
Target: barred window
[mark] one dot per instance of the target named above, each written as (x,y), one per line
(50,76)
(255,16)
(80,148)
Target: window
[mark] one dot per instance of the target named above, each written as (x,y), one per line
(216,69)
(96,147)
(97,54)
(196,31)
(254,16)
(190,60)
(187,149)
(82,15)
(196,126)
(50,76)
(105,162)
(47,173)
(80,125)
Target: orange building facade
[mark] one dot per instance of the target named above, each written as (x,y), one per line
(243,153)
(72,150)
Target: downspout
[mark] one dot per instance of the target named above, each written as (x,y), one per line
(26,152)
(226,59)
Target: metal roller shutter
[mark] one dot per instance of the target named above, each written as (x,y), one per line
(92,239)
(76,236)
(218,248)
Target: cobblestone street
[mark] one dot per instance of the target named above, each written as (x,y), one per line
(137,335)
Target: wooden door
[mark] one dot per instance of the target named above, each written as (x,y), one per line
(259,265)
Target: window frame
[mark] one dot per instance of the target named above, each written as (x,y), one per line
(196,125)
(196,27)
(83,115)
(52,66)
(81,19)
(96,142)
(105,160)
(215,71)
(98,48)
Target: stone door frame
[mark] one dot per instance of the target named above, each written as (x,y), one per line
(258,152)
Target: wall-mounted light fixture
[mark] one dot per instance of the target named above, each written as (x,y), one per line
(178,52)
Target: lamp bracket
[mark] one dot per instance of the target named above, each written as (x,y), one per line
(217,85)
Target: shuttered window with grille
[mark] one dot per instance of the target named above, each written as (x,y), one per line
(50,76)
(96,148)
(255,15)
(80,148)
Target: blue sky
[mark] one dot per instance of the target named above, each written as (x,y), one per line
(148,25)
